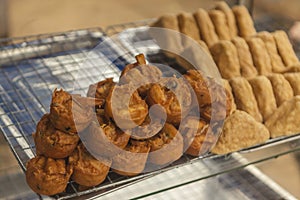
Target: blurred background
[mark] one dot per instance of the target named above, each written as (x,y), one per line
(27,17)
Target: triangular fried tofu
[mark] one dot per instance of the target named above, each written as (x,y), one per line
(240,131)
(285,120)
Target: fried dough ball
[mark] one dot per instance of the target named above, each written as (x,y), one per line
(166,146)
(127,115)
(68,114)
(139,73)
(47,176)
(221,99)
(198,136)
(132,161)
(101,89)
(105,138)
(88,171)
(52,142)
(176,104)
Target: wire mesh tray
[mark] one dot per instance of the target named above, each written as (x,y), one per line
(32,67)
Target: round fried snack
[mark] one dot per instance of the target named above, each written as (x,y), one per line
(88,171)
(132,161)
(101,89)
(199,85)
(105,138)
(51,142)
(68,114)
(221,100)
(198,137)
(174,96)
(166,146)
(47,176)
(127,115)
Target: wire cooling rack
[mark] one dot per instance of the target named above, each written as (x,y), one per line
(32,67)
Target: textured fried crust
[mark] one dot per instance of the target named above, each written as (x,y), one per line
(188,26)
(51,142)
(206,27)
(47,176)
(263,91)
(270,43)
(285,48)
(244,97)
(136,111)
(101,89)
(230,97)
(176,104)
(240,131)
(218,19)
(166,146)
(230,18)
(226,57)
(294,80)
(260,56)
(105,140)
(198,138)
(281,88)
(132,163)
(285,120)
(68,114)
(246,62)
(244,21)
(88,171)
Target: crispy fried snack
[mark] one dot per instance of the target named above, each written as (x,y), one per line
(270,43)
(206,27)
(139,74)
(47,176)
(261,58)
(176,105)
(244,21)
(51,142)
(198,138)
(285,120)
(105,139)
(285,48)
(166,146)
(127,116)
(230,18)
(226,57)
(240,131)
(294,80)
(88,171)
(188,26)
(68,114)
(101,89)
(201,87)
(263,92)
(281,88)
(244,97)
(168,40)
(218,18)
(246,62)
(133,160)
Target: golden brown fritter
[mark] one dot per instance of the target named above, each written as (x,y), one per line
(166,146)
(132,161)
(52,142)
(67,113)
(129,114)
(101,89)
(88,171)
(47,176)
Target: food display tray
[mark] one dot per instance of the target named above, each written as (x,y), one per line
(32,67)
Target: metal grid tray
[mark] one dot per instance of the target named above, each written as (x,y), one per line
(31,67)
